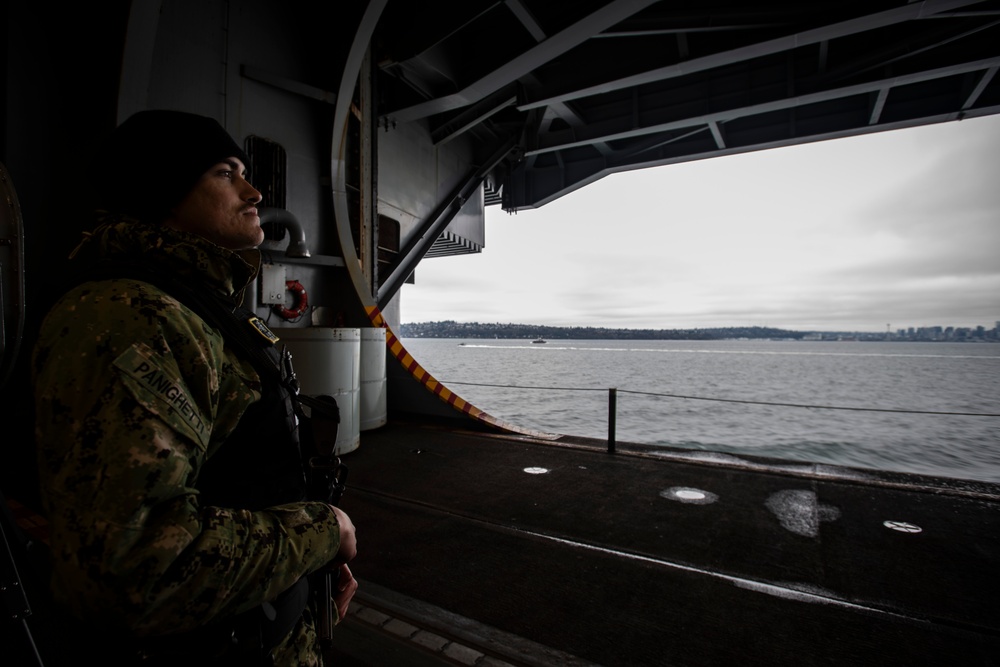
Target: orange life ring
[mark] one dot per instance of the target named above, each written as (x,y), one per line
(300,301)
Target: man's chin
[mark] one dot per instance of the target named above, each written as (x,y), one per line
(258,239)
(249,242)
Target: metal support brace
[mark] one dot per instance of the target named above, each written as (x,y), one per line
(435,224)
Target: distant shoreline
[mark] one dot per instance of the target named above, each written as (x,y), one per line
(452,329)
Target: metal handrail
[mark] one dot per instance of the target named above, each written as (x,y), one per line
(613,403)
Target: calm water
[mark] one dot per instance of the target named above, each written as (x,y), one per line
(928,377)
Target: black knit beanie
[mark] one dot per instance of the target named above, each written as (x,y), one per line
(151,161)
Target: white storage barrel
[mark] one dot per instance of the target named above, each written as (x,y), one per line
(373,382)
(327,361)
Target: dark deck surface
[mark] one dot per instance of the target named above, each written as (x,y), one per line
(607,557)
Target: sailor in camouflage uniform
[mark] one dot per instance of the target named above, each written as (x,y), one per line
(169,465)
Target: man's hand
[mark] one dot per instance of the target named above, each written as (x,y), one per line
(348,539)
(347,585)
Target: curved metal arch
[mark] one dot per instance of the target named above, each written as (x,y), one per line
(345,94)
(338,152)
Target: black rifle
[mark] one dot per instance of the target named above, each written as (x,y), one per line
(326,479)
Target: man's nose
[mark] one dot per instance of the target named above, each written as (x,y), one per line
(253,195)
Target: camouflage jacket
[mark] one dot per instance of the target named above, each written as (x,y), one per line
(133,393)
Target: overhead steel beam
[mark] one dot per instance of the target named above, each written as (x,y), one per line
(876,114)
(716,129)
(984,81)
(515,191)
(929,47)
(512,70)
(558,110)
(656,142)
(776,105)
(523,14)
(909,12)
(573,119)
(473,116)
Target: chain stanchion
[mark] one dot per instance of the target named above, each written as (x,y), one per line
(612,411)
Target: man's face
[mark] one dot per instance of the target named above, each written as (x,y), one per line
(222,207)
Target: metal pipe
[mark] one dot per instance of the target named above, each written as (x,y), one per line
(297,236)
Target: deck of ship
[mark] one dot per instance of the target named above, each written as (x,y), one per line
(506,549)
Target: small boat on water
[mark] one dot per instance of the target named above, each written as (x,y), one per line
(539,340)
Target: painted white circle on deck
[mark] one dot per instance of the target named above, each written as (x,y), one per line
(902,526)
(686,494)
(536,471)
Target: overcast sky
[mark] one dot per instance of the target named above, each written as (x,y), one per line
(898,228)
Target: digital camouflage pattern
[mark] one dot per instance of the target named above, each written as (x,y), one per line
(133,393)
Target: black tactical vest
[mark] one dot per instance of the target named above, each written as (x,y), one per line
(260,465)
